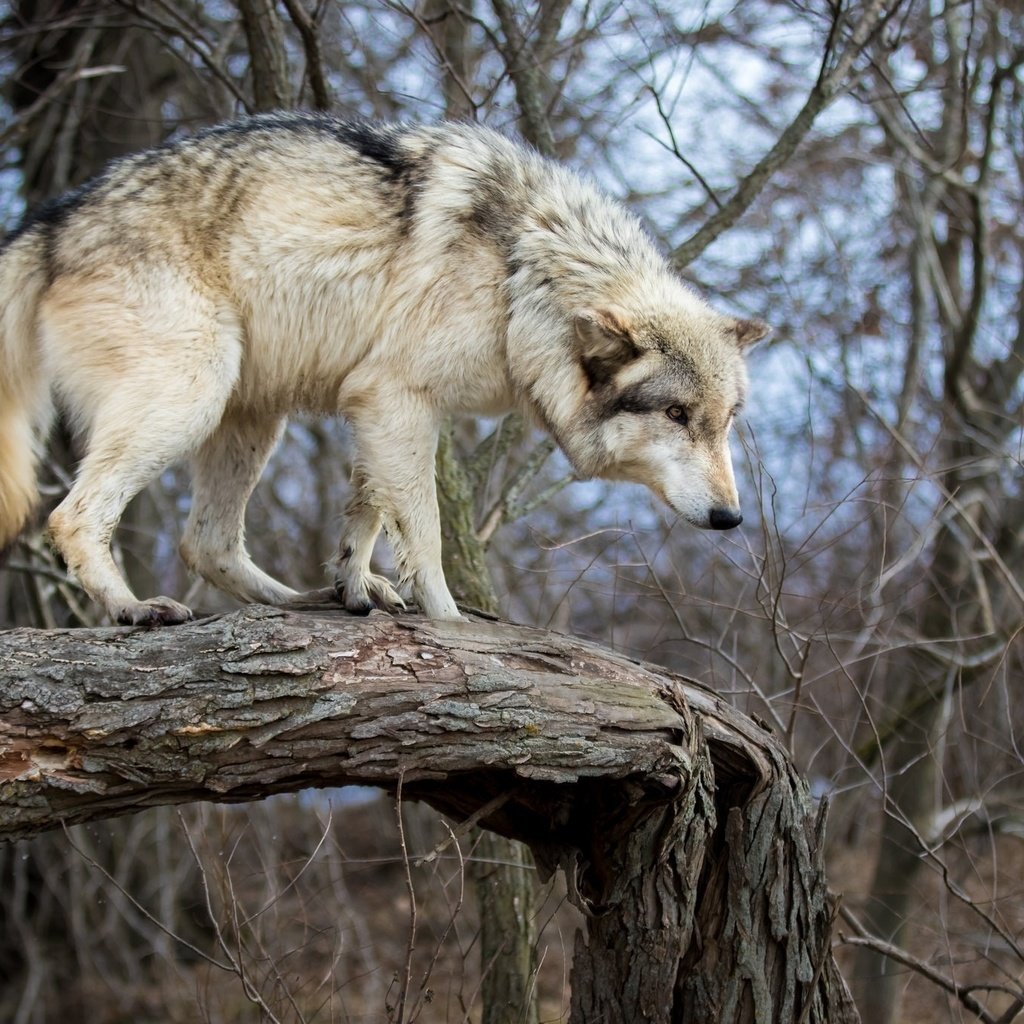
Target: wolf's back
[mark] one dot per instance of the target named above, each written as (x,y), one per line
(24,391)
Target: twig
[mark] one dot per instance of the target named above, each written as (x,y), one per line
(958,389)
(422,24)
(309,860)
(96,866)
(463,828)
(411,945)
(901,956)
(13,131)
(830,84)
(1009,578)
(674,148)
(421,998)
(237,967)
(188,34)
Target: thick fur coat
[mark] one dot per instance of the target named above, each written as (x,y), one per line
(189,299)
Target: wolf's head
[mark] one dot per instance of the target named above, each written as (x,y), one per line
(661,391)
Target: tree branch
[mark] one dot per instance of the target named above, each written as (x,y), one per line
(525,59)
(832,80)
(310,34)
(685,834)
(267,58)
(964,993)
(959,389)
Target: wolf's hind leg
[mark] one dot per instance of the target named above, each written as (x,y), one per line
(147,373)
(80,528)
(359,589)
(225,470)
(132,442)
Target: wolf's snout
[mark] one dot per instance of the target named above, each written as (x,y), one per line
(724,519)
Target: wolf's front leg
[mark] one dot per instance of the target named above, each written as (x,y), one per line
(394,481)
(359,589)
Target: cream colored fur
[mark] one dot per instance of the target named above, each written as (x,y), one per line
(193,298)
(24,393)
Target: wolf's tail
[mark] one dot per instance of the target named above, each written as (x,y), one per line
(25,408)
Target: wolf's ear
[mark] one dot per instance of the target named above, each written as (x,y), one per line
(749,332)
(603,342)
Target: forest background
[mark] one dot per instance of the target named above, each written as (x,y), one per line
(852,173)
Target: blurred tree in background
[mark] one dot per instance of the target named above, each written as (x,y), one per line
(852,173)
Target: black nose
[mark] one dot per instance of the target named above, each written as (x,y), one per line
(724,519)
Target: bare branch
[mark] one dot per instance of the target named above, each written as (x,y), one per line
(673,148)
(832,81)
(268,63)
(959,390)
(525,59)
(964,993)
(310,34)
(399,1013)
(14,130)
(191,37)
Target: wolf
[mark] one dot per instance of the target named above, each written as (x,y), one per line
(187,300)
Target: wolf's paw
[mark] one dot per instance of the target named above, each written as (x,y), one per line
(366,592)
(157,611)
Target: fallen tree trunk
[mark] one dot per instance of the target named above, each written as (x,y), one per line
(686,836)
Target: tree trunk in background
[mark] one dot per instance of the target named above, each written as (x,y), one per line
(953,608)
(909,811)
(503,875)
(972,601)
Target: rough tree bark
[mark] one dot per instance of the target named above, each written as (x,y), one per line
(686,836)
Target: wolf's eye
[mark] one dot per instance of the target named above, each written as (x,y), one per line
(677,413)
